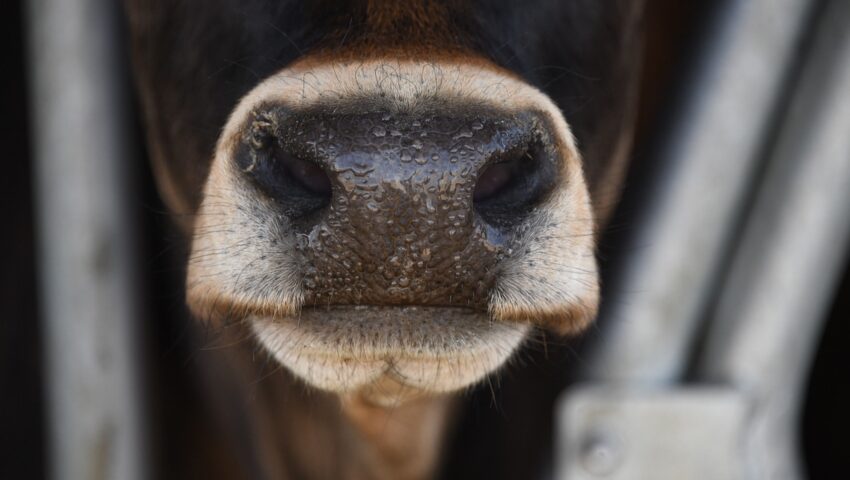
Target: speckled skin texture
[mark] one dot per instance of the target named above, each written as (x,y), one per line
(400,227)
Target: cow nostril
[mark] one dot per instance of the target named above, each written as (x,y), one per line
(507,190)
(494,179)
(299,186)
(310,176)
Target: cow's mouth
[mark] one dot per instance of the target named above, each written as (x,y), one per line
(390,351)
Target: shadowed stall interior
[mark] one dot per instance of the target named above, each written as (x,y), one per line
(21,391)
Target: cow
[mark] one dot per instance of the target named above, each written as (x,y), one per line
(389,200)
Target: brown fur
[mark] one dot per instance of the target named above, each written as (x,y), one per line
(403,30)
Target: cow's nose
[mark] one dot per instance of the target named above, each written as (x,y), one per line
(400,209)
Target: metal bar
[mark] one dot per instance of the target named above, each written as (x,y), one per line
(707,168)
(85,240)
(764,330)
(778,291)
(629,433)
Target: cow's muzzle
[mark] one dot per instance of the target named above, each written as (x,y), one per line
(395,222)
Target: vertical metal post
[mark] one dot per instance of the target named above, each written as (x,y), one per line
(778,290)
(85,240)
(738,416)
(712,149)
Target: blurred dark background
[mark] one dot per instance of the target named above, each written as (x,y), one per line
(825,422)
(21,393)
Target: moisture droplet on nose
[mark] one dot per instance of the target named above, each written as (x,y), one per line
(379,131)
(463,133)
(477,125)
(429,205)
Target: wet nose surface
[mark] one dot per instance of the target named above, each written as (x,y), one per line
(399,209)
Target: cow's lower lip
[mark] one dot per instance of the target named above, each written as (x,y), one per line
(348,348)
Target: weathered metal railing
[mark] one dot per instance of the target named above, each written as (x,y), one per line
(86,240)
(743,243)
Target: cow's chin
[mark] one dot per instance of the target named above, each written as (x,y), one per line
(389,354)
